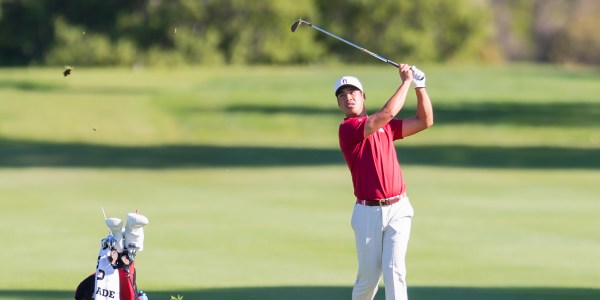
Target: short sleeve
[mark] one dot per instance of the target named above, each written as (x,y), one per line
(396,126)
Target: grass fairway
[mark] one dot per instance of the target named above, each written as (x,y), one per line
(248,197)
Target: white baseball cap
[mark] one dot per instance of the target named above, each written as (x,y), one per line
(347,80)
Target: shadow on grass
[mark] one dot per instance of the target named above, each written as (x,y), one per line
(17,153)
(339,293)
(529,114)
(28,85)
(38,86)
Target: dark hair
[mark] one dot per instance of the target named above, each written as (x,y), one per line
(339,90)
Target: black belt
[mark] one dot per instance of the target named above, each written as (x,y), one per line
(382,202)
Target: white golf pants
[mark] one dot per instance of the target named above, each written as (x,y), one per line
(381,234)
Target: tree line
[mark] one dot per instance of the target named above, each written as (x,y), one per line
(214,32)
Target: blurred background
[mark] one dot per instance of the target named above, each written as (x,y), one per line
(217,32)
(219,124)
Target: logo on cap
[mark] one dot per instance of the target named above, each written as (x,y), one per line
(347,80)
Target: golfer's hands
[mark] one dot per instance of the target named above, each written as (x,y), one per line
(406,73)
(419,77)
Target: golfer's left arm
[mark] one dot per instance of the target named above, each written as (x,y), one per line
(424,117)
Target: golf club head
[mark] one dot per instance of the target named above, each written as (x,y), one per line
(296,24)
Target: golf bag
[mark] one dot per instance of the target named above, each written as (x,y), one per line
(115,276)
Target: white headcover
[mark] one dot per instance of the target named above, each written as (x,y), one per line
(134,231)
(115,225)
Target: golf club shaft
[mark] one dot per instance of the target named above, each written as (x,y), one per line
(104,214)
(352,44)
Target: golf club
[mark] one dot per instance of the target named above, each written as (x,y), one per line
(383,59)
(104,214)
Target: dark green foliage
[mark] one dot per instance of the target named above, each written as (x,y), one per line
(433,30)
(25,31)
(27,27)
(155,32)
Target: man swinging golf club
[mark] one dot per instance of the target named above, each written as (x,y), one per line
(382,215)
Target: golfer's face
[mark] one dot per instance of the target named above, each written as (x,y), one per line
(351,101)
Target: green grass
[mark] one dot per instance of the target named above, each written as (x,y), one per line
(248,197)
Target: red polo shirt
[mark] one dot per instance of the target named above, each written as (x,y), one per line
(373,163)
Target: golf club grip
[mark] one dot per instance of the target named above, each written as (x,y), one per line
(393,64)
(398,66)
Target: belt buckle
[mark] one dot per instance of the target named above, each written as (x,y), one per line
(382,202)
